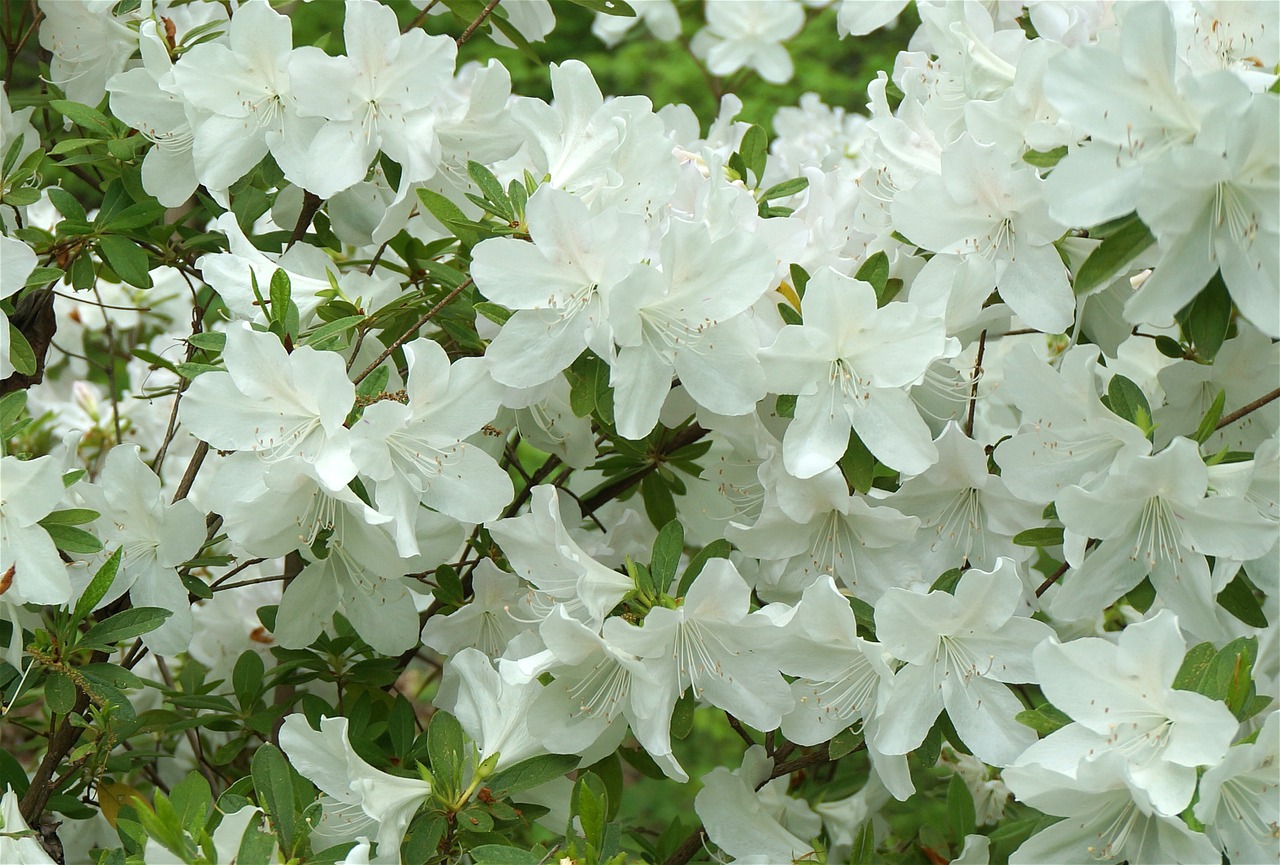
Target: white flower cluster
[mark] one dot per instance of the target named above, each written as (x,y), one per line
(1025,312)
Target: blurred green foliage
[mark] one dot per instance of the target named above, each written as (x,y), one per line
(837,70)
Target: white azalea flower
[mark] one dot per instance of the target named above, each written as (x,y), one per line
(359,800)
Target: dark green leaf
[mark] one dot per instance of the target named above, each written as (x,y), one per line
(755,152)
(590,804)
(1108,261)
(857,465)
(83,116)
(717,549)
(1206,320)
(98,586)
(449,215)
(331,329)
(274,785)
(1240,599)
(931,746)
(492,189)
(59,693)
(66,204)
(255,844)
(1194,667)
(1170,347)
(1045,158)
(608,7)
(532,772)
(682,715)
(191,799)
(125,257)
(125,625)
(423,840)
(103,692)
(960,811)
(446,746)
(667,549)
(20,353)
(73,540)
(1128,401)
(497,854)
(1044,719)
(401,726)
(190,369)
(70,517)
(246,678)
(1209,423)
(947,581)
(1045,536)
(212,340)
(864,846)
(785,188)
(659,505)
(875,272)
(789,314)
(842,743)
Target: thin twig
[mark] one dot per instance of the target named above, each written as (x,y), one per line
(193,467)
(484,13)
(411,332)
(973,388)
(1052,578)
(1258,403)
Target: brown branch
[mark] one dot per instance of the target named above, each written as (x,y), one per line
(484,13)
(973,389)
(310,207)
(688,847)
(687,436)
(1247,409)
(411,332)
(193,467)
(1052,578)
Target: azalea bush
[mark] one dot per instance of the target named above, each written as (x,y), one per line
(401,468)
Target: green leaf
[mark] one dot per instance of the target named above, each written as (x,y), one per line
(799,280)
(785,188)
(931,746)
(331,329)
(103,690)
(98,586)
(274,785)
(789,314)
(190,369)
(401,726)
(947,581)
(59,693)
(1194,667)
(1206,320)
(682,715)
(449,215)
(875,272)
(70,517)
(842,743)
(284,312)
(66,204)
(82,115)
(20,353)
(498,854)
(960,812)
(73,540)
(857,465)
(126,258)
(246,678)
(422,842)
(532,772)
(717,549)
(1129,239)
(191,799)
(492,189)
(1209,422)
(1239,598)
(659,505)
(864,846)
(1044,719)
(1045,158)
(755,151)
(449,586)
(608,7)
(589,802)
(1128,401)
(667,549)
(125,625)
(12,405)
(1045,536)
(495,313)
(1170,347)
(446,747)
(211,340)
(255,844)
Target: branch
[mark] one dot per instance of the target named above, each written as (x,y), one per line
(686,436)
(973,389)
(1247,409)
(484,13)
(411,332)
